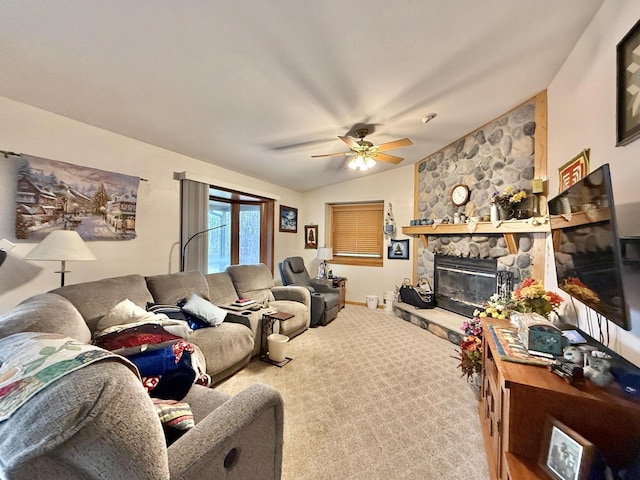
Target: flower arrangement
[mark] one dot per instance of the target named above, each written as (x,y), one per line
(509,197)
(470,353)
(532,297)
(470,356)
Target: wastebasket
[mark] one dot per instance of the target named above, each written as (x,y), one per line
(277,347)
(372,301)
(388,298)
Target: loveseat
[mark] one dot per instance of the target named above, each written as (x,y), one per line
(99,422)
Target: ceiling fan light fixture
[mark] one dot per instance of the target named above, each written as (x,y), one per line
(361,163)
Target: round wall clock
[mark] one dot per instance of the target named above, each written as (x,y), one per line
(460,194)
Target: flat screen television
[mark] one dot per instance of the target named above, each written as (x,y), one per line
(587,249)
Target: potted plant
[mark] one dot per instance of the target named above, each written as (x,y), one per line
(508,200)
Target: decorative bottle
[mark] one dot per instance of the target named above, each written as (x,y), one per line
(495,214)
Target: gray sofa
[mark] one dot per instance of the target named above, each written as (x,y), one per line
(99,422)
(227,347)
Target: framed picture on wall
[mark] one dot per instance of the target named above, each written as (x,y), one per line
(311,236)
(628,87)
(398,250)
(574,170)
(288,219)
(565,454)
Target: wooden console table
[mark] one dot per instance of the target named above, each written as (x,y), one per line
(516,400)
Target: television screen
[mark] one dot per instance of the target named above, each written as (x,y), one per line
(587,246)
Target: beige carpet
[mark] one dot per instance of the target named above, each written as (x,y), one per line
(371,396)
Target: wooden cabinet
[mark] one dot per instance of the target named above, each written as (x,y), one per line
(517,399)
(341,283)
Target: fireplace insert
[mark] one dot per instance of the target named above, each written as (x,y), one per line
(464,284)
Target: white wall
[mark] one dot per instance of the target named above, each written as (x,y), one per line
(393,186)
(36,132)
(582,114)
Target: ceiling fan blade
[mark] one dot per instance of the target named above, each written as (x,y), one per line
(349,141)
(404,142)
(383,157)
(342,154)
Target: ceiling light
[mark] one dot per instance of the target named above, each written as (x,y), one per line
(361,163)
(428,117)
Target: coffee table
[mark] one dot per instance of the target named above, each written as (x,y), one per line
(268,319)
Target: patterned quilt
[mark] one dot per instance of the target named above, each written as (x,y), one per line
(30,361)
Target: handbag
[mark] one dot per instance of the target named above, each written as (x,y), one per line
(419,298)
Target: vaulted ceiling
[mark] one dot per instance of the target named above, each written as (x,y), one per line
(258,86)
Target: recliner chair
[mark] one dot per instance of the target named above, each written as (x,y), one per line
(325,299)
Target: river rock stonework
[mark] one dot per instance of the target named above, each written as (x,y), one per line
(499,154)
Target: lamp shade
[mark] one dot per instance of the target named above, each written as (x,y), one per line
(325,253)
(61,245)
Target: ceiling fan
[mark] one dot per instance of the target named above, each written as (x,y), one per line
(366,153)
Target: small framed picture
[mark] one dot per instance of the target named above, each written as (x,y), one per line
(398,250)
(310,236)
(628,87)
(565,454)
(574,170)
(288,219)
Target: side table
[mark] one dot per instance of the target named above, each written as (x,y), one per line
(268,319)
(341,283)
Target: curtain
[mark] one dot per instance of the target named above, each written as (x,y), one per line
(194,219)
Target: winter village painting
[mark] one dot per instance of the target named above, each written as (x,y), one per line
(53,195)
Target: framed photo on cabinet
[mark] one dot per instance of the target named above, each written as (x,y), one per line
(565,454)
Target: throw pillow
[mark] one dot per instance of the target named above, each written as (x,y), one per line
(204,310)
(171,311)
(174,414)
(124,312)
(175,312)
(176,418)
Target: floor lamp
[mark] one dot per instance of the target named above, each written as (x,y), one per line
(184,248)
(61,246)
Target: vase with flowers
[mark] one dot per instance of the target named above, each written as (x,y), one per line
(531,297)
(470,353)
(509,200)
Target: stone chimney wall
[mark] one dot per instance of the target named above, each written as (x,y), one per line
(498,154)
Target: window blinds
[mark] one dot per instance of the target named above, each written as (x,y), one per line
(357,230)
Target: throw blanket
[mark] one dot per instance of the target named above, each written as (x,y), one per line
(30,361)
(167,363)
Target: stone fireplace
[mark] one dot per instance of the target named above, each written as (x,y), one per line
(498,154)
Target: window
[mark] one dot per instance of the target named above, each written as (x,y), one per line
(356,233)
(248,235)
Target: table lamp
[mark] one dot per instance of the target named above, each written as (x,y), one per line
(324,254)
(61,246)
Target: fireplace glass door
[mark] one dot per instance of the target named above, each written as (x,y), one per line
(464,284)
